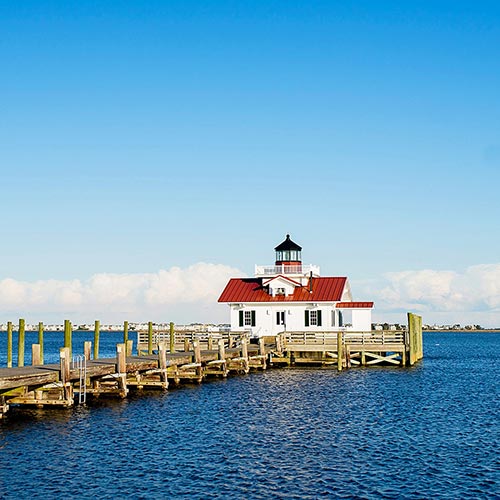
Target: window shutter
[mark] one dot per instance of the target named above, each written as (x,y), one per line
(278,318)
(319,318)
(306,319)
(341,319)
(241,318)
(253,318)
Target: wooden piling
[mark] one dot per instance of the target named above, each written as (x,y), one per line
(87,348)
(222,350)
(97,328)
(196,351)
(130,347)
(125,332)
(9,344)
(150,337)
(197,359)
(20,342)
(40,340)
(162,363)
(244,348)
(68,334)
(172,337)
(262,347)
(210,343)
(64,365)
(121,360)
(35,354)
(340,353)
(186,344)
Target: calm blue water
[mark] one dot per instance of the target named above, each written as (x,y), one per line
(431,430)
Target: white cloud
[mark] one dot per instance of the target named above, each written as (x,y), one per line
(176,294)
(190,294)
(445,295)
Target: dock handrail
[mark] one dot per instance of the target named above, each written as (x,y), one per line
(379,337)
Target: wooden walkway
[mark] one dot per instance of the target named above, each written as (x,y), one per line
(194,358)
(67,382)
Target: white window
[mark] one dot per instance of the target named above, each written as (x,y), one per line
(248,318)
(313,318)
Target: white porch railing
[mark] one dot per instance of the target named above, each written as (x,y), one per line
(351,338)
(284,269)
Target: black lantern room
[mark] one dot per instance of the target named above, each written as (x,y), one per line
(288,253)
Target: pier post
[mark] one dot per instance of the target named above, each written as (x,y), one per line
(35,354)
(121,368)
(20,342)
(340,353)
(222,350)
(9,344)
(162,362)
(244,348)
(262,347)
(97,327)
(87,347)
(210,343)
(150,338)
(68,333)
(125,332)
(40,340)
(186,344)
(64,366)
(130,347)
(197,359)
(172,337)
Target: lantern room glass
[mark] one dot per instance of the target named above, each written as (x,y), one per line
(288,256)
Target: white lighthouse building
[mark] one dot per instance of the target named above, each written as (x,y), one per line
(291,296)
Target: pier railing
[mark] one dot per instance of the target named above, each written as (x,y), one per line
(182,337)
(329,340)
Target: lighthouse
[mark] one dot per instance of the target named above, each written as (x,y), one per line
(291,296)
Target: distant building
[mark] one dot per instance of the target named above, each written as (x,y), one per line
(293,297)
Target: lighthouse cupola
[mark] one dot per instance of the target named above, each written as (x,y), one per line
(288,253)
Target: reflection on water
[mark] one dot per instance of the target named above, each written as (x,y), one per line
(287,433)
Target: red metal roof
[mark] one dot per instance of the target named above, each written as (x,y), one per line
(251,290)
(345,305)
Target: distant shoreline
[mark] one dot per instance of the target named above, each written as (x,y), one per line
(463,330)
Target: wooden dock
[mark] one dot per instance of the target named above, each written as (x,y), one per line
(165,357)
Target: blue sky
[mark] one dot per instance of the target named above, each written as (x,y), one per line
(138,136)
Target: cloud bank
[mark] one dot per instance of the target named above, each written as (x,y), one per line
(442,296)
(186,295)
(176,294)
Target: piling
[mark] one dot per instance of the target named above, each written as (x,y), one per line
(150,338)
(130,346)
(172,337)
(35,354)
(40,340)
(162,363)
(9,344)
(125,332)
(87,347)
(64,366)
(97,327)
(20,343)
(68,333)
(340,353)
(222,350)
